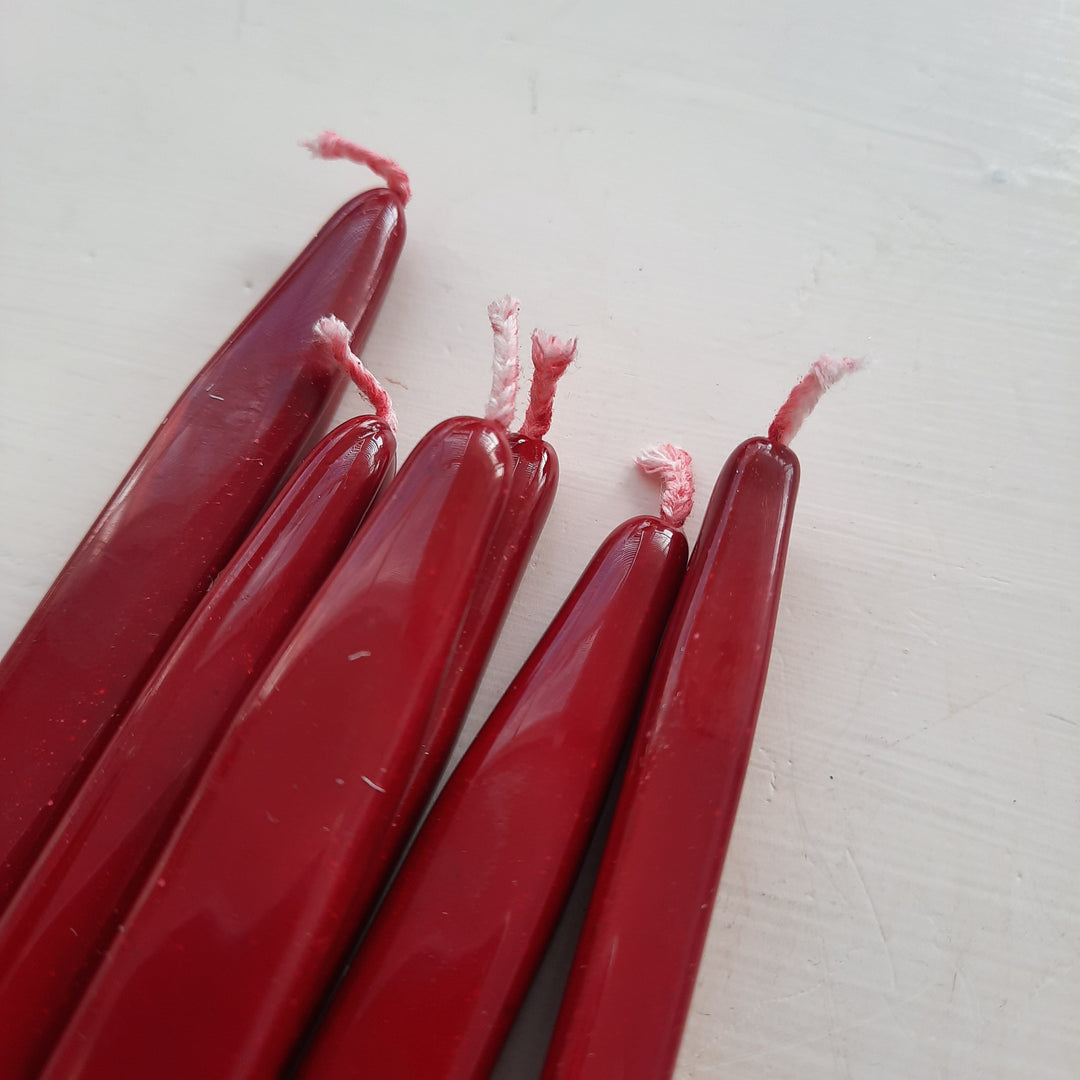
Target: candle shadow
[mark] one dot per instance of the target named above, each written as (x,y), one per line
(522,1056)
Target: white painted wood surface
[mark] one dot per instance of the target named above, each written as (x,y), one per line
(709,195)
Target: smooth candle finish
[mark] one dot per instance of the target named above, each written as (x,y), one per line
(60,922)
(276,858)
(533,485)
(446,963)
(633,975)
(181,512)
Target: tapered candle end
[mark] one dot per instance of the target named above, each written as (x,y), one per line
(824,373)
(676,471)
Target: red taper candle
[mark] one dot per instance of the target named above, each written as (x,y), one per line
(180,513)
(64,916)
(276,859)
(634,969)
(446,963)
(533,484)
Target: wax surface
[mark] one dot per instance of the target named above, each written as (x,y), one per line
(633,974)
(533,485)
(62,919)
(275,860)
(173,523)
(448,958)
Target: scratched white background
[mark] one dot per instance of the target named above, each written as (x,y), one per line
(709,195)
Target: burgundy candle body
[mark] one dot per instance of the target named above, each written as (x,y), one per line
(634,970)
(62,919)
(446,963)
(276,858)
(533,484)
(181,512)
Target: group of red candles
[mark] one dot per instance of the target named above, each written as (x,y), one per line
(222,724)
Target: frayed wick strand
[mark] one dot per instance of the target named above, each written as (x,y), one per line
(503,316)
(330,145)
(334,334)
(551,356)
(676,471)
(824,372)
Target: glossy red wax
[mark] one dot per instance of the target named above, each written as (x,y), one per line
(63,917)
(532,490)
(180,513)
(446,963)
(276,858)
(634,970)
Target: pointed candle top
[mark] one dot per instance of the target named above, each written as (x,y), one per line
(330,145)
(334,334)
(550,357)
(503,316)
(824,372)
(675,469)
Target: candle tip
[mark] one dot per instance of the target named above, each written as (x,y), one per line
(329,146)
(503,316)
(551,356)
(825,372)
(676,471)
(334,334)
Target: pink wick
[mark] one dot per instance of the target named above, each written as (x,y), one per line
(550,357)
(800,403)
(334,334)
(328,145)
(676,471)
(503,315)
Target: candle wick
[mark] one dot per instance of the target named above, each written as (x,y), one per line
(334,334)
(824,372)
(551,356)
(330,146)
(503,316)
(676,471)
